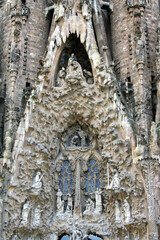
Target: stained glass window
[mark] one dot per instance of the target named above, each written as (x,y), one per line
(66,178)
(92,177)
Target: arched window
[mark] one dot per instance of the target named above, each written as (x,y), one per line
(92,177)
(66,178)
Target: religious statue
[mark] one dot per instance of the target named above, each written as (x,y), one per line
(118,212)
(37,216)
(61,77)
(89,76)
(69,205)
(115,183)
(89,208)
(37,184)
(74,71)
(60,202)
(75,140)
(98,194)
(25,213)
(127,211)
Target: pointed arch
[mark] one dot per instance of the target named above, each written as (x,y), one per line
(74,46)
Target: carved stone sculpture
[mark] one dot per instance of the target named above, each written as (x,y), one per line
(76,234)
(74,71)
(89,208)
(115,183)
(37,184)
(25,213)
(118,212)
(127,211)
(60,203)
(98,194)
(69,205)
(89,76)
(37,216)
(61,77)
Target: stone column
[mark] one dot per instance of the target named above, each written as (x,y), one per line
(77,202)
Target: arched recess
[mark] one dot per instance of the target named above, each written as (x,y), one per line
(74,46)
(62,55)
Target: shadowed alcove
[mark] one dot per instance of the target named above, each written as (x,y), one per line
(74,46)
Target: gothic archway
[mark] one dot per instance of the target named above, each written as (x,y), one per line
(74,46)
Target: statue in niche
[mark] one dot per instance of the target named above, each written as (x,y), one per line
(25,213)
(69,205)
(98,194)
(75,141)
(37,184)
(74,71)
(37,216)
(115,183)
(89,76)
(61,77)
(127,211)
(118,212)
(60,202)
(89,208)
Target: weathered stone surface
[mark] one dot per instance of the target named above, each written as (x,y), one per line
(79,120)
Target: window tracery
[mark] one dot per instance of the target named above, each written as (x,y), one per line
(66,178)
(92,177)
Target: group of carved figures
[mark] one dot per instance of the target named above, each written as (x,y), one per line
(27,207)
(36,215)
(73,73)
(90,207)
(122,211)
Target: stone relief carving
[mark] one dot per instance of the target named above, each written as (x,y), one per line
(127,211)
(76,234)
(115,183)
(25,213)
(74,71)
(89,208)
(37,216)
(73,74)
(76,138)
(98,196)
(69,205)
(60,203)
(61,77)
(118,213)
(37,184)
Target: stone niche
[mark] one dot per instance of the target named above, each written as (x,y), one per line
(73,57)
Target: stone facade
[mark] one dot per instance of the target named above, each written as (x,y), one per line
(79,120)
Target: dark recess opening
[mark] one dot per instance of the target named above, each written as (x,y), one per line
(23,2)
(73,45)
(154,97)
(107,24)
